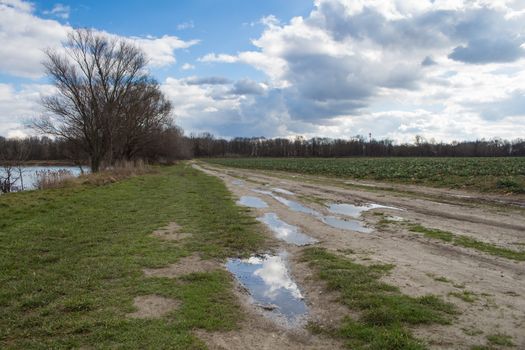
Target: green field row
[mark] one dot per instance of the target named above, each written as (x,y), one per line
(486,174)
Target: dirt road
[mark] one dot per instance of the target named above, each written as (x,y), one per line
(493,288)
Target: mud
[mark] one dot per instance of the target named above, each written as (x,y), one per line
(421,264)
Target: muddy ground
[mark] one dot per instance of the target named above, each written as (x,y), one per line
(422,265)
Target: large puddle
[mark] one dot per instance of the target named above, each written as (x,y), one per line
(295,206)
(252,202)
(286,232)
(355,211)
(344,209)
(352,225)
(267,279)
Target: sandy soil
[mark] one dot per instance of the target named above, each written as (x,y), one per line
(498,283)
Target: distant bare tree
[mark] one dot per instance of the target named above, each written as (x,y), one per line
(12,160)
(104,97)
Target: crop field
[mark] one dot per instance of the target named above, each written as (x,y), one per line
(484,174)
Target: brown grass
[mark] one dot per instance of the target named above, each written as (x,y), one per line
(119,171)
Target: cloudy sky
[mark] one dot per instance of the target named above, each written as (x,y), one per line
(445,70)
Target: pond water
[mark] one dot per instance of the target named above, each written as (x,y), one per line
(268,281)
(286,232)
(29,176)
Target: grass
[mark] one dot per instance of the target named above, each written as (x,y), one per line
(500,339)
(468,242)
(71,262)
(466,296)
(484,174)
(385,313)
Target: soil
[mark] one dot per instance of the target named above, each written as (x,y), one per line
(420,263)
(153,306)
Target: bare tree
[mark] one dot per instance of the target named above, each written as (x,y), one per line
(97,77)
(12,159)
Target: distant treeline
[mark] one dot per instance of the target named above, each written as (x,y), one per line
(205,145)
(166,146)
(170,145)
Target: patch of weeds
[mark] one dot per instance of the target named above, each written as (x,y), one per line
(385,312)
(472,331)
(466,296)
(468,242)
(432,233)
(500,339)
(510,185)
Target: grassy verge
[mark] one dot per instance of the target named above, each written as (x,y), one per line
(385,313)
(71,262)
(468,242)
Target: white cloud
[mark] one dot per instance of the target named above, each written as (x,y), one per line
(19,106)
(185,25)
(24,37)
(398,67)
(59,10)
(187,66)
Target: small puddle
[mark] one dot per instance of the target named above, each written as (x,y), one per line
(355,210)
(252,202)
(352,225)
(286,232)
(283,191)
(238,182)
(267,279)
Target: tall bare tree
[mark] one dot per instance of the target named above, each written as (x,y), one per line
(98,79)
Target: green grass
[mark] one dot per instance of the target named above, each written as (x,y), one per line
(485,174)
(468,242)
(385,313)
(500,339)
(466,296)
(71,262)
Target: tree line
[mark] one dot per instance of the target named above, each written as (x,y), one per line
(206,145)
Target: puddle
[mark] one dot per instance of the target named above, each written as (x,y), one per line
(267,280)
(252,202)
(395,218)
(355,210)
(283,191)
(238,182)
(286,232)
(352,225)
(297,206)
(269,193)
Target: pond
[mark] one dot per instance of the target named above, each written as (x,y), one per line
(29,174)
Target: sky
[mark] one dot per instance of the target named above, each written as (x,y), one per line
(444,70)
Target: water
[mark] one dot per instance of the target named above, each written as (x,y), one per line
(252,202)
(283,191)
(352,225)
(267,280)
(295,206)
(29,174)
(344,209)
(286,232)
(238,182)
(354,210)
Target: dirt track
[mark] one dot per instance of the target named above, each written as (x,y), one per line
(497,283)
